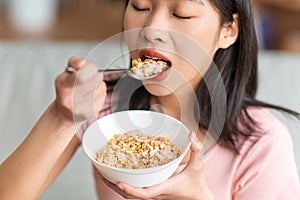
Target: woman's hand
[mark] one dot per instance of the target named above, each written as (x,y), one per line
(79,94)
(188,184)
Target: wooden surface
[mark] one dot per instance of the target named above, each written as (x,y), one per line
(76,20)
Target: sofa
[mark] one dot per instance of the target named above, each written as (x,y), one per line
(28,70)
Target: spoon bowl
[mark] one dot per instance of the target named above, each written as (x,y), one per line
(149,73)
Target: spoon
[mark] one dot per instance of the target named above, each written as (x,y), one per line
(139,70)
(150,72)
(153,70)
(129,72)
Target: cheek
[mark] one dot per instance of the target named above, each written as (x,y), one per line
(205,33)
(207,41)
(126,22)
(132,20)
(191,66)
(132,32)
(189,73)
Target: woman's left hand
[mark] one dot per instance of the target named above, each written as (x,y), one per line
(188,184)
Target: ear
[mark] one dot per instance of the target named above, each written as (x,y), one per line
(229,32)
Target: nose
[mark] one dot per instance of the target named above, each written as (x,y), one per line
(154,30)
(155,34)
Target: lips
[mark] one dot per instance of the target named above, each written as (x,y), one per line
(161,76)
(149,54)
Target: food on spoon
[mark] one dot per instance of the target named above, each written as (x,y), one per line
(135,150)
(147,67)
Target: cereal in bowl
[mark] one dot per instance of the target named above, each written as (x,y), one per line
(134,150)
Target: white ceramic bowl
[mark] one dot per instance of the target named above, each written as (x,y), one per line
(97,135)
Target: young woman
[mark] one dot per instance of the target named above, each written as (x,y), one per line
(253,158)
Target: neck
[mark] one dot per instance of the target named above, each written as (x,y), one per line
(179,105)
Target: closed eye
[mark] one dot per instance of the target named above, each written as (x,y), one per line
(182,17)
(140,9)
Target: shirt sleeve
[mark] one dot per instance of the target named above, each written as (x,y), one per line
(268,171)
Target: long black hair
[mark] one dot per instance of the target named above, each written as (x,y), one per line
(238,68)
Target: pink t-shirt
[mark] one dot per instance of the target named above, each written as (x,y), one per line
(264,170)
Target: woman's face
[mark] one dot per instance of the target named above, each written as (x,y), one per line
(184,32)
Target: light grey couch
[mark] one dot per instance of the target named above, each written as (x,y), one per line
(28,70)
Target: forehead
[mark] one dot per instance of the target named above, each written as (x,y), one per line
(196,1)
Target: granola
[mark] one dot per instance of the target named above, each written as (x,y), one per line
(135,150)
(148,67)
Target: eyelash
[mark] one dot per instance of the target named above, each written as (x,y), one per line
(147,9)
(181,17)
(140,9)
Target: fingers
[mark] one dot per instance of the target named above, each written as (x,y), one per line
(118,190)
(67,78)
(195,161)
(148,192)
(80,92)
(131,191)
(85,70)
(89,90)
(76,62)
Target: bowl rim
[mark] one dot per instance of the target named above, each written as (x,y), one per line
(143,170)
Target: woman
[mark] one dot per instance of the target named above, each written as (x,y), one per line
(253,158)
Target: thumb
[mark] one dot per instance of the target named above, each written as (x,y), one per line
(195,161)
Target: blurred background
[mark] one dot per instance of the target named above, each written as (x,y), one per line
(278,24)
(80,20)
(277,21)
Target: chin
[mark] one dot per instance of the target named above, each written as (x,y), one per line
(157,89)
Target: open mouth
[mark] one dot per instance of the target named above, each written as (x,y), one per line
(149,65)
(160,61)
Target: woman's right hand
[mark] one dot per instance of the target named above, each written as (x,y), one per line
(80,95)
